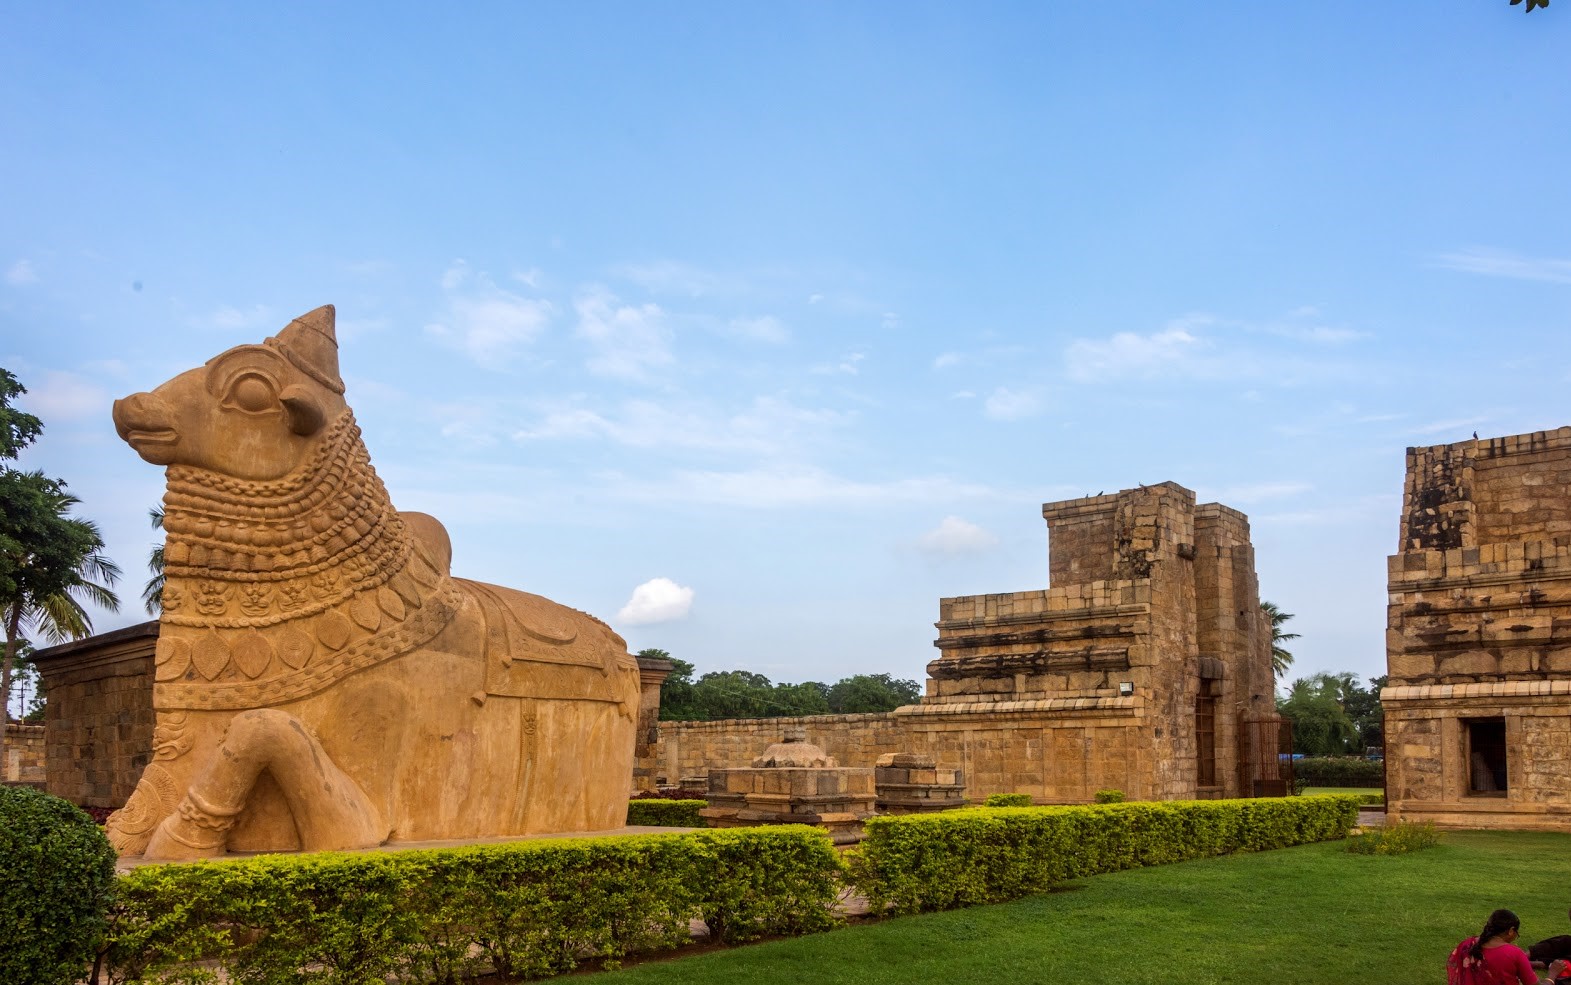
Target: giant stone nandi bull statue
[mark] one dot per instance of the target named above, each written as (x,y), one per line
(321,681)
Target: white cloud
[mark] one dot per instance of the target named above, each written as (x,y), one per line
(1503,263)
(484,321)
(762,329)
(954,536)
(657,600)
(1127,354)
(945,360)
(60,396)
(627,340)
(890,320)
(1004,404)
(21,273)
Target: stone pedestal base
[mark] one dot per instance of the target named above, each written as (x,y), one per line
(909,783)
(835,799)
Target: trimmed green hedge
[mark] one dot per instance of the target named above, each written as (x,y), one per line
(1339,771)
(940,861)
(666,813)
(56,870)
(1007,800)
(527,909)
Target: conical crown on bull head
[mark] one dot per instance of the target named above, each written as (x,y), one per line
(311,343)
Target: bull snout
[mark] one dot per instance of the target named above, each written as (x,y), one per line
(144,421)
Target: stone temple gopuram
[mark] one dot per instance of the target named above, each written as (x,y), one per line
(1145,667)
(1478,639)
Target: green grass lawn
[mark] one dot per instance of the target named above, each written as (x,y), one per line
(1315,914)
(1357,790)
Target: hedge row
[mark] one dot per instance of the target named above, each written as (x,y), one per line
(526,909)
(666,813)
(922,862)
(1339,771)
(1007,800)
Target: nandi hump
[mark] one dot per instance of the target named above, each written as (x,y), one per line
(322,681)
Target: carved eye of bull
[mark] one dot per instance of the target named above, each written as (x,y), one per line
(253,393)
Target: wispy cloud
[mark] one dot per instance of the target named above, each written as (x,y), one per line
(1128,354)
(848,364)
(1453,424)
(1004,404)
(60,396)
(235,320)
(1257,492)
(673,277)
(21,273)
(627,340)
(765,328)
(955,536)
(655,601)
(801,486)
(768,426)
(1503,263)
(485,321)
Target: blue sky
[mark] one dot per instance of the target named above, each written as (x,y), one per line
(795,315)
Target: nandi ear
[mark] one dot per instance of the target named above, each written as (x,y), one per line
(303,410)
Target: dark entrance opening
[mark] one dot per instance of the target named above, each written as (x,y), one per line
(1486,756)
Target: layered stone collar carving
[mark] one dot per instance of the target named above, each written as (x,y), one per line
(276,589)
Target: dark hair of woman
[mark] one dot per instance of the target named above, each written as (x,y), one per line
(1498,923)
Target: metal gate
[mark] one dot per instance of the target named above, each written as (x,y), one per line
(1265,757)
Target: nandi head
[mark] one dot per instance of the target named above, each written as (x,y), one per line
(254,412)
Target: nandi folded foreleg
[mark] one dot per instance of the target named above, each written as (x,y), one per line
(330,810)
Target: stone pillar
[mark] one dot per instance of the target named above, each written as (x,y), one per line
(652,672)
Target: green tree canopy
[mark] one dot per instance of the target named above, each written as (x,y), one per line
(872,692)
(742,694)
(1333,714)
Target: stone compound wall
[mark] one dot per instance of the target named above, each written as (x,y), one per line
(98,719)
(1147,590)
(24,754)
(1478,640)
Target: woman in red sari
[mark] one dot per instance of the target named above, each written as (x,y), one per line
(1492,958)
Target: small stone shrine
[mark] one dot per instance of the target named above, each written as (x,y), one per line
(793,782)
(911,783)
(1478,639)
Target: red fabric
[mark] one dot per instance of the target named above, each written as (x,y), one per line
(1504,964)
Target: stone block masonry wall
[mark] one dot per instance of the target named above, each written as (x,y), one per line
(1478,638)
(98,716)
(1057,751)
(24,754)
(1092,683)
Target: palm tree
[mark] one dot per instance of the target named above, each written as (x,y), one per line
(153,592)
(1281,659)
(61,565)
